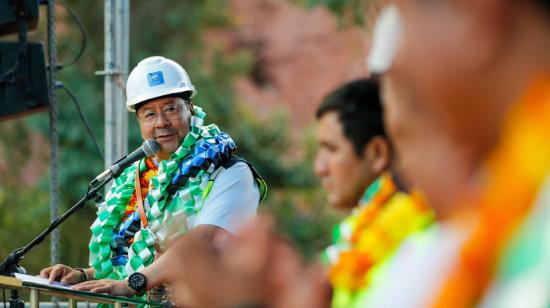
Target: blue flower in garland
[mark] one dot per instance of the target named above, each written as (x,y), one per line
(207,151)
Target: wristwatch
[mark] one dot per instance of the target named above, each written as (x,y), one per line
(83,275)
(137,281)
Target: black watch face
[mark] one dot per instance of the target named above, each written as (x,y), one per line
(136,281)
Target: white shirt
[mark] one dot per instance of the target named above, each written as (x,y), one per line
(232,201)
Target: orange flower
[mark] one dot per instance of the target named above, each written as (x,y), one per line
(145,177)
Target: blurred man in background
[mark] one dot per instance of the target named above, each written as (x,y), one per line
(353,147)
(358,169)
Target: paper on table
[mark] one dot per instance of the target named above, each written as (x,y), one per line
(42,281)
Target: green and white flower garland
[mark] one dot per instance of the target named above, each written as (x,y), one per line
(163,211)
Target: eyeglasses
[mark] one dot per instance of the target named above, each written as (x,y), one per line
(170,112)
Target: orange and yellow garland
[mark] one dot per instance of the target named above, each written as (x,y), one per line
(515,172)
(377,229)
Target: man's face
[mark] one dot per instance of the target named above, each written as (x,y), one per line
(428,156)
(167,121)
(439,110)
(446,51)
(406,124)
(344,174)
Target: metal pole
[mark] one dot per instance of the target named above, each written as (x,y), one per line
(116,71)
(54,137)
(34,299)
(55,239)
(123,48)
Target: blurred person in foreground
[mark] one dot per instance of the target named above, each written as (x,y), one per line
(478,74)
(357,167)
(193,186)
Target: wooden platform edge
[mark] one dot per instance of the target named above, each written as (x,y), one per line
(7,281)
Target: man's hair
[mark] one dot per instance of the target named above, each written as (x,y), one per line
(359,109)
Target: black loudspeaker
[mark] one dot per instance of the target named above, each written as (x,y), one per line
(8,19)
(23,83)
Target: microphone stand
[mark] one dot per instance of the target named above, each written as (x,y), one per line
(10,265)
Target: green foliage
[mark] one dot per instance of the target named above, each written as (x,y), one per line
(304,216)
(20,207)
(263,140)
(349,12)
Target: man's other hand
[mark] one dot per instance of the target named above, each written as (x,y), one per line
(112,287)
(61,273)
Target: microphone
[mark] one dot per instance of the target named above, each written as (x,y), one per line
(147,149)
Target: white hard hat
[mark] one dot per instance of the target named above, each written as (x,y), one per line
(155,77)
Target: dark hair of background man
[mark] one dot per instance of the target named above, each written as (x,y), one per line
(359,110)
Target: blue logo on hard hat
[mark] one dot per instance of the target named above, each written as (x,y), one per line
(155,78)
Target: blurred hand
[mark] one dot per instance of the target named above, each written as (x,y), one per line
(255,267)
(112,287)
(61,273)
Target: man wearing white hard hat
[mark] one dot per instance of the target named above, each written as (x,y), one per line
(193,185)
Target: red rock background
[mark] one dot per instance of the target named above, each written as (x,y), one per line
(299,55)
